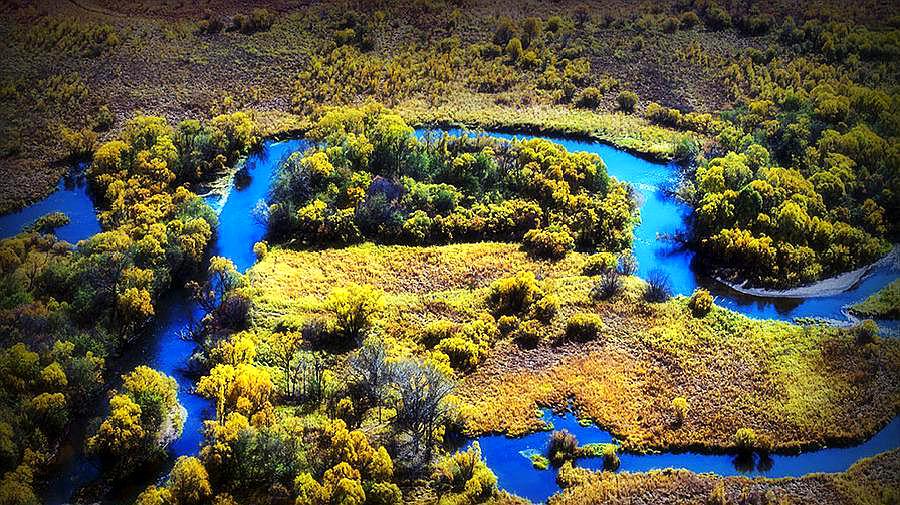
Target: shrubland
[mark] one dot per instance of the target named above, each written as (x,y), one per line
(620,361)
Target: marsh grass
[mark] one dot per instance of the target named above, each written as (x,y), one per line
(734,371)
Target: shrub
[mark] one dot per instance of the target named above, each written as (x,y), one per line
(609,284)
(590,98)
(627,100)
(261,250)
(866,332)
(701,302)
(507,324)
(539,462)
(546,308)
(436,331)
(105,118)
(689,20)
(465,473)
(659,287)
(259,20)
(745,439)
(514,49)
(233,313)
(189,482)
(610,457)
(599,263)
(717,18)
(353,310)
(529,333)
(583,326)
(563,447)
(514,295)
(552,242)
(680,405)
(628,264)
(464,354)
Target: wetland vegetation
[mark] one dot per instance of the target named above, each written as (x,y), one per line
(490,263)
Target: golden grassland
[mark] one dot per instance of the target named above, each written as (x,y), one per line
(799,386)
(871,481)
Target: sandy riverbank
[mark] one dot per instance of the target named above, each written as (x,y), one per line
(825,287)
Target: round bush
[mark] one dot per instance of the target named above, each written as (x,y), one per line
(627,100)
(701,302)
(584,326)
(552,242)
(599,263)
(866,332)
(563,447)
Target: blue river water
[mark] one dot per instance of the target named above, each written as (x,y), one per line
(238,230)
(71,196)
(509,458)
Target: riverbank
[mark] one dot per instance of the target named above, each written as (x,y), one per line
(872,480)
(825,287)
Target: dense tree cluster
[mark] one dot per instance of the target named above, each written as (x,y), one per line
(354,431)
(144,417)
(66,307)
(369,178)
(805,175)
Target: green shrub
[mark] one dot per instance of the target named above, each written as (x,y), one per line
(552,242)
(599,263)
(507,324)
(716,17)
(689,20)
(514,295)
(545,308)
(589,98)
(745,439)
(584,326)
(539,462)
(680,405)
(563,446)
(529,333)
(866,332)
(261,250)
(436,331)
(627,100)
(701,302)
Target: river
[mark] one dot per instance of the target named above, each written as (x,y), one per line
(661,214)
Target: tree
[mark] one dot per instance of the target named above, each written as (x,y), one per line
(189,482)
(371,372)
(222,278)
(423,392)
(353,309)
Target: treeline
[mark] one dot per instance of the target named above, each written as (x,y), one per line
(369,178)
(65,309)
